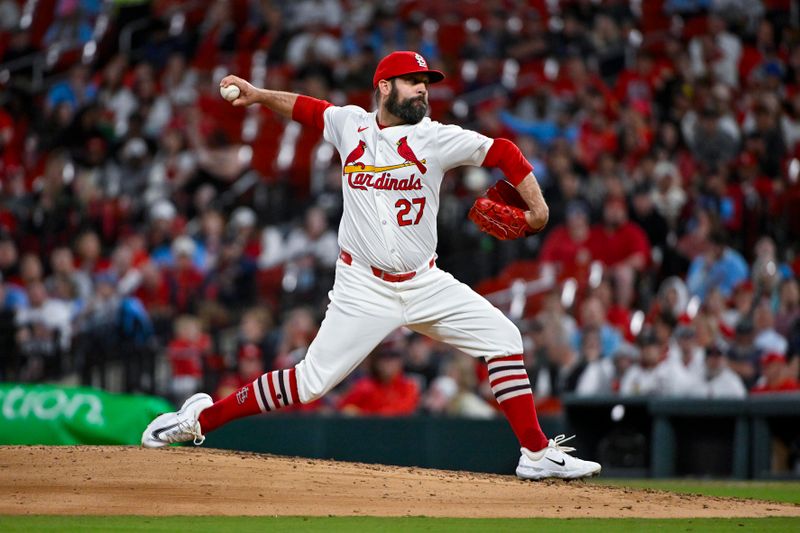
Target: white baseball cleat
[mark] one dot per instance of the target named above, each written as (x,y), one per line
(181,426)
(554,461)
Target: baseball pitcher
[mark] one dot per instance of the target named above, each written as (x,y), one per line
(393,160)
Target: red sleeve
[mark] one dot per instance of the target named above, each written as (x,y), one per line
(308,111)
(505,155)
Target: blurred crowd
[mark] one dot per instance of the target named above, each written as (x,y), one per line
(154,238)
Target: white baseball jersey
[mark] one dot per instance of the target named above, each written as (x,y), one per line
(390,182)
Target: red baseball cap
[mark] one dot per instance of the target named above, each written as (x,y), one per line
(772,357)
(402,63)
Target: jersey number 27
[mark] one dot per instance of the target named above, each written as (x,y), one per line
(404,208)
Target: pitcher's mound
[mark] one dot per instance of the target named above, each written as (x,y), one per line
(105,480)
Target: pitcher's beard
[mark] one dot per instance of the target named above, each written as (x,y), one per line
(410,111)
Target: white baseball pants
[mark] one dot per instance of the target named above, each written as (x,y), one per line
(364,309)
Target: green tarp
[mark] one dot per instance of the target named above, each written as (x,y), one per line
(47,414)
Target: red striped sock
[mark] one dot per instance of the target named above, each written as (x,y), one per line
(269,392)
(512,389)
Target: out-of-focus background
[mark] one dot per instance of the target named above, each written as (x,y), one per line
(155,240)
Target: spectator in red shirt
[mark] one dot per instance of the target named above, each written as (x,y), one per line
(566,250)
(775,375)
(155,294)
(488,118)
(621,246)
(186,353)
(250,366)
(576,82)
(596,136)
(638,85)
(185,278)
(635,135)
(387,391)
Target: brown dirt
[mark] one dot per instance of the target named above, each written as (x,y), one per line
(104,480)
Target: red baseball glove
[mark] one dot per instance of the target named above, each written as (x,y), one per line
(501,213)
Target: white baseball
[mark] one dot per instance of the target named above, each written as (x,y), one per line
(229,93)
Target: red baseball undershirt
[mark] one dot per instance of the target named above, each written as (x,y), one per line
(502,154)
(308,111)
(506,156)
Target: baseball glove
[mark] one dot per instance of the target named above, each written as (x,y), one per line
(501,213)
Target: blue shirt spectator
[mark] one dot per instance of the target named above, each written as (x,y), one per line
(15,297)
(721,267)
(66,92)
(593,316)
(610,340)
(544,131)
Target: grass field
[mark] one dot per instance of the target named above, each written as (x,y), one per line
(776,491)
(363,524)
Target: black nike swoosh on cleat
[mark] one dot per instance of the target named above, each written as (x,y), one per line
(157,433)
(562,463)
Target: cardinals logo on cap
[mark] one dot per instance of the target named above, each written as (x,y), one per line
(401,63)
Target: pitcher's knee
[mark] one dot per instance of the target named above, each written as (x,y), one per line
(509,339)
(313,392)
(310,383)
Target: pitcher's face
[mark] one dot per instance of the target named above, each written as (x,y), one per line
(408,98)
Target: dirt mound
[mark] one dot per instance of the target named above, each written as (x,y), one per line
(105,480)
